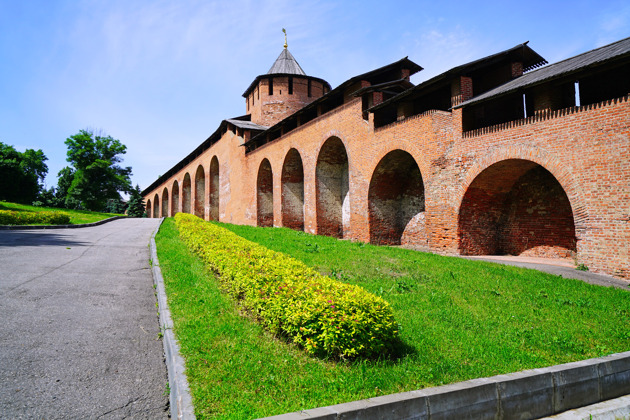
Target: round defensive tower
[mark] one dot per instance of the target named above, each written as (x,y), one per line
(285,89)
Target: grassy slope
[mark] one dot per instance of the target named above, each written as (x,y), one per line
(460,319)
(76,216)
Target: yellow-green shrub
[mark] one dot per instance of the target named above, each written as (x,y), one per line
(324,316)
(10,217)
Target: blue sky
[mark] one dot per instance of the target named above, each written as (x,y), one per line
(160,75)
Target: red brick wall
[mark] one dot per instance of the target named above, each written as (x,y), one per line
(396,201)
(516,207)
(332,185)
(165,203)
(175,207)
(268,109)
(186,194)
(265,194)
(214,196)
(586,152)
(517,69)
(293,191)
(200,189)
(538,218)
(156,206)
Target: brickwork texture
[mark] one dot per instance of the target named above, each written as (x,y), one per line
(554,184)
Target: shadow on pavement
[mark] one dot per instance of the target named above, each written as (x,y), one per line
(37,238)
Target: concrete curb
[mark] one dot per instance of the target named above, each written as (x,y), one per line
(83,225)
(617,409)
(522,395)
(180,399)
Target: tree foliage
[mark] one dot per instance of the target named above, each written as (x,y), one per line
(96,175)
(117,206)
(136,203)
(21,174)
(64,180)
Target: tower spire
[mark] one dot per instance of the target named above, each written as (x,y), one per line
(285,38)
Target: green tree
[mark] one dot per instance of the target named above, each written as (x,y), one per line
(117,206)
(21,174)
(97,176)
(64,181)
(136,203)
(33,163)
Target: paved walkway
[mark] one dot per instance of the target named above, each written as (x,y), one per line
(79,328)
(559,267)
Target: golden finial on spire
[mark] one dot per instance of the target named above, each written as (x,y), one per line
(285,37)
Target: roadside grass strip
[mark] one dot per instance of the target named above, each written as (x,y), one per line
(23,214)
(325,317)
(458,320)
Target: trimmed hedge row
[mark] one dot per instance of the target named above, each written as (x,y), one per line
(324,316)
(10,217)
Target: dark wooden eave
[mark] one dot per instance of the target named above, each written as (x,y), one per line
(530,59)
(583,63)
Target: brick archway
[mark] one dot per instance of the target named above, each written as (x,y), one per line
(516,207)
(404,146)
(148,209)
(560,171)
(396,201)
(165,202)
(186,193)
(156,206)
(327,136)
(292,184)
(213,193)
(175,198)
(200,192)
(264,194)
(332,189)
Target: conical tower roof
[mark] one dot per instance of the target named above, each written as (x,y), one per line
(286,64)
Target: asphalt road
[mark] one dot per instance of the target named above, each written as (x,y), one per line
(79,333)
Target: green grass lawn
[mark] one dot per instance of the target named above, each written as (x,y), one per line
(77,217)
(459,320)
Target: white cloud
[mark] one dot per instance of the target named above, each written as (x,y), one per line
(440,50)
(614,23)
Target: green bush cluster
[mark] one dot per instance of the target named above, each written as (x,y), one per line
(324,316)
(9,217)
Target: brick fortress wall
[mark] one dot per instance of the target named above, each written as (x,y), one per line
(551,185)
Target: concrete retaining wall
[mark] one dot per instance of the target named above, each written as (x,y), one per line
(523,395)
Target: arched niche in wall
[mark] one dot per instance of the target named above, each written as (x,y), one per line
(214,192)
(332,189)
(156,206)
(396,201)
(175,198)
(264,194)
(186,193)
(200,192)
(293,191)
(516,207)
(165,202)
